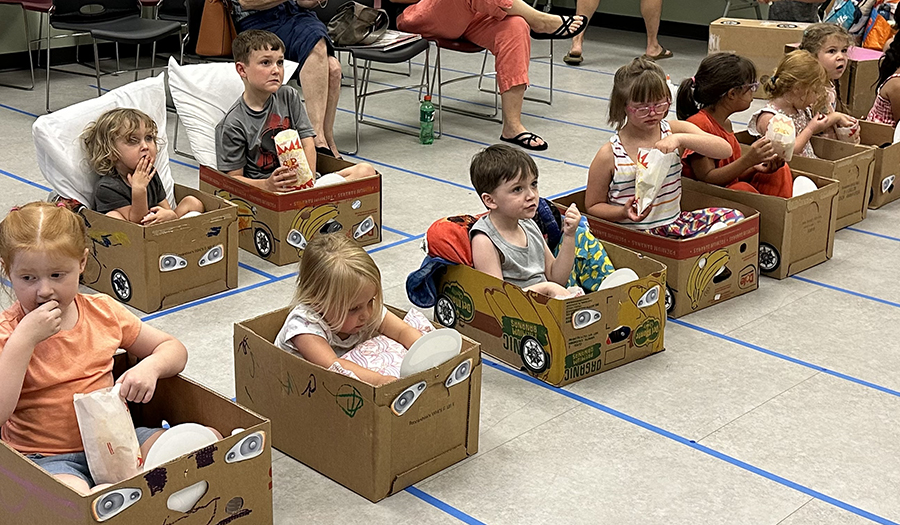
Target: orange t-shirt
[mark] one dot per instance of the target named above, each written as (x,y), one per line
(70,362)
(708,124)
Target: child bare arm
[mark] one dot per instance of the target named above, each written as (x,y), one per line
(397,329)
(705,169)
(485,258)
(37,325)
(139,180)
(686,135)
(559,268)
(161,355)
(596,196)
(316,349)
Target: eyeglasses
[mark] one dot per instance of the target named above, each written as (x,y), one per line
(660,108)
(753,86)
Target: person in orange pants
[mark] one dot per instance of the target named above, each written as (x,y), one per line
(723,85)
(503,27)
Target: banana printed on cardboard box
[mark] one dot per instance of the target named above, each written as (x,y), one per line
(375,441)
(559,340)
(227,482)
(880,137)
(700,271)
(794,234)
(277,226)
(167,264)
(851,165)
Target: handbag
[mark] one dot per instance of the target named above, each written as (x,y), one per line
(217,30)
(355,24)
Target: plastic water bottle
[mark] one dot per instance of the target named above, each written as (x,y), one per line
(426,121)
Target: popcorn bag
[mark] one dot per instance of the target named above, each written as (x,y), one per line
(107,432)
(290,154)
(849,133)
(782,135)
(653,166)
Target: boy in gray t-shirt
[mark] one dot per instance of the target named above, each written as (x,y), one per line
(506,243)
(245,139)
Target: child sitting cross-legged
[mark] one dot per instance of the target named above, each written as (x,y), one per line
(245,139)
(506,243)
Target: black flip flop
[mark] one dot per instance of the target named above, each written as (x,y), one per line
(524,140)
(326,151)
(563,32)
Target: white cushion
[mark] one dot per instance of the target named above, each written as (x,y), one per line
(202,94)
(61,156)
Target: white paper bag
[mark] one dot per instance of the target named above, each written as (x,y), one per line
(849,133)
(653,166)
(110,442)
(783,135)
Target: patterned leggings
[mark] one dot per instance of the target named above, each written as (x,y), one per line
(697,222)
(592,264)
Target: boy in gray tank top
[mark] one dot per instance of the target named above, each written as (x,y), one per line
(506,243)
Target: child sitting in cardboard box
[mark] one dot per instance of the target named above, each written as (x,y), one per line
(56,342)
(245,139)
(339,305)
(506,243)
(121,146)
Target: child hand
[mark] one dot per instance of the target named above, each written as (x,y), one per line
(383,380)
(571,220)
(631,212)
(158,214)
(42,322)
(761,151)
(138,384)
(820,123)
(282,179)
(668,144)
(143,173)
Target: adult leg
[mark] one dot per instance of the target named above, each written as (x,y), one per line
(586,8)
(334,93)
(538,21)
(651,11)
(314,81)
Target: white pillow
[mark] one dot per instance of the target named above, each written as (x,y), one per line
(202,94)
(61,156)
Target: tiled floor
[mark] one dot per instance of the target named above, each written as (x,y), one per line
(777,407)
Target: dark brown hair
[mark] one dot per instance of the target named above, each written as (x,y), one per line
(254,40)
(640,81)
(497,164)
(718,74)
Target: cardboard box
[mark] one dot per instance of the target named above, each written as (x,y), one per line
(160,266)
(762,41)
(689,285)
(277,226)
(239,490)
(794,234)
(357,434)
(887,162)
(559,341)
(853,166)
(857,84)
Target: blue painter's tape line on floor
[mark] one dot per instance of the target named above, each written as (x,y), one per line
(395,243)
(182,163)
(787,358)
(416,173)
(398,232)
(440,505)
(17,110)
(257,271)
(694,445)
(26,181)
(873,234)
(846,291)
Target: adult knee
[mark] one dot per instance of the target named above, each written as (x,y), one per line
(334,71)
(513,36)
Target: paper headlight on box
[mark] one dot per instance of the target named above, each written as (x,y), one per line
(406,398)
(213,255)
(460,373)
(247,448)
(169,262)
(114,502)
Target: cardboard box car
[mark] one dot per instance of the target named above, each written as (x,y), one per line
(851,165)
(375,441)
(700,271)
(856,87)
(277,226)
(163,265)
(762,41)
(234,474)
(794,234)
(887,162)
(559,340)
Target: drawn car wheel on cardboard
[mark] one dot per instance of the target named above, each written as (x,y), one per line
(769,259)
(535,359)
(445,312)
(121,285)
(262,241)
(670,300)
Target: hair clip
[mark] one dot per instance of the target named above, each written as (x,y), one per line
(774,78)
(14,208)
(60,204)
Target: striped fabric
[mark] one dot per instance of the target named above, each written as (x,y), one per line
(881,110)
(667,205)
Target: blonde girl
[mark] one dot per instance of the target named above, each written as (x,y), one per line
(56,342)
(339,304)
(797,89)
(638,106)
(121,147)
